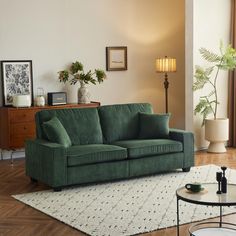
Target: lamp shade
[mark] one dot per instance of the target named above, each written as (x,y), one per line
(165,64)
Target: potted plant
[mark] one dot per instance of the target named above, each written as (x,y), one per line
(216,129)
(76,73)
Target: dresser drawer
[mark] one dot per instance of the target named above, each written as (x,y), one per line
(22,128)
(24,115)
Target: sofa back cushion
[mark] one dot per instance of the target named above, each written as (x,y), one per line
(121,122)
(81,124)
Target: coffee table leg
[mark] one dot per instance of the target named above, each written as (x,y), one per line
(177,216)
(220,216)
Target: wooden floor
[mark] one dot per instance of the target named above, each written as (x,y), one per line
(17,219)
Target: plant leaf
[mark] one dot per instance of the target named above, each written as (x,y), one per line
(202,77)
(205,112)
(200,106)
(211,93)
(209,56)
(100,74)
(204,108)
(228,61)
(76,67)
(63,76)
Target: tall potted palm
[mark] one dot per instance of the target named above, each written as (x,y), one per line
(216,129)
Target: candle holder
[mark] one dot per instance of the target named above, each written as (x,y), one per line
(223,180)
(219,179)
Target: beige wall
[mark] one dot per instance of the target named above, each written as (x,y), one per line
(211,24)
(55,32)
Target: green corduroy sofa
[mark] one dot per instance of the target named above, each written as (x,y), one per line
(105,145)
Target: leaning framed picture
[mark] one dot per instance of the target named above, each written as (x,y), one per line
(116,58)
(17,79)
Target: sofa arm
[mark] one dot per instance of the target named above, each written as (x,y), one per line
(187,140)
(46,161)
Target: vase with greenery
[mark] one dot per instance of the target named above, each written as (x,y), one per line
(216,129)
(76,73)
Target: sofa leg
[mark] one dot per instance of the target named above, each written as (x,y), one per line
(33,180)
(57,189)
(186,169)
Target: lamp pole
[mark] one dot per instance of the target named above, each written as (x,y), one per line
(166,86)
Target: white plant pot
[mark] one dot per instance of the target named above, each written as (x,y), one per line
(217,133)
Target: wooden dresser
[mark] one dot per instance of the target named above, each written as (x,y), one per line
(18,124)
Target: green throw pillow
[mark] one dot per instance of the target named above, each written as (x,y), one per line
(153,125)
(56,132)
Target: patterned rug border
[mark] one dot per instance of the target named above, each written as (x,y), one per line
(19,198)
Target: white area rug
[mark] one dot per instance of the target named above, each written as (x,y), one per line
(127,207)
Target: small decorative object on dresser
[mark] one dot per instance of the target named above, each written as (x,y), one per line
(76,73)
(16,80)
(58,98)
(21,101)
(40,99)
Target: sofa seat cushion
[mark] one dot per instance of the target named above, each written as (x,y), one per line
(149,147)
(94,153)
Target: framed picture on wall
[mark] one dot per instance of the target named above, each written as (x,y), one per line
(116,58)
(17,79)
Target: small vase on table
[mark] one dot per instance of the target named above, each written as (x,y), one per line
(83,93)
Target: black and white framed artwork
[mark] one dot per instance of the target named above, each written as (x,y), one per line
(16,79)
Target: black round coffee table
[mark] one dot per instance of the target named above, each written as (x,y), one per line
(209,197)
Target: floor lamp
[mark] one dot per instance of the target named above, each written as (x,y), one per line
(165,65)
